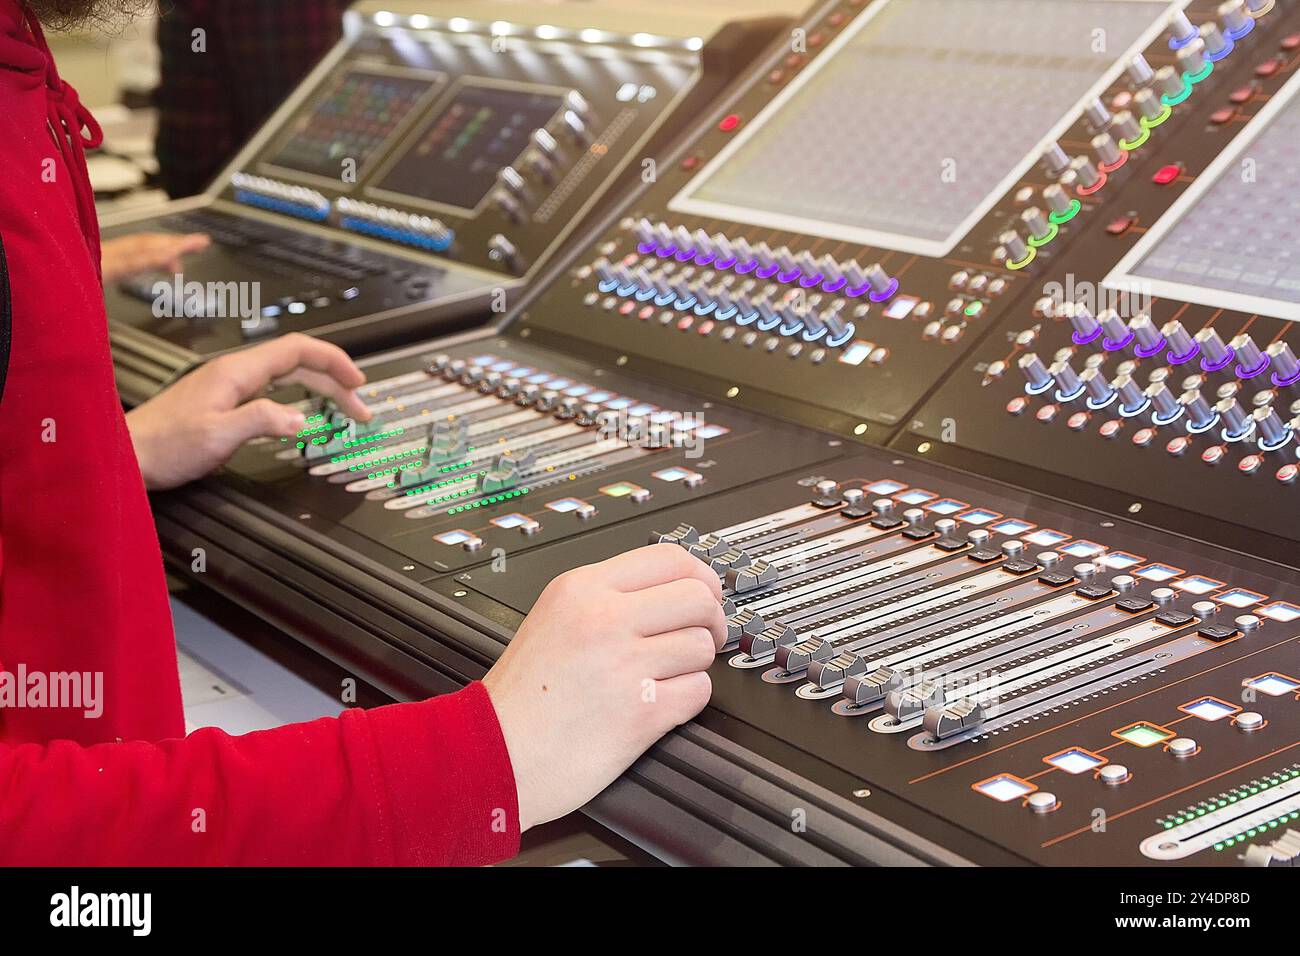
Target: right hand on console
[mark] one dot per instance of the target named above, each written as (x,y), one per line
(612,657)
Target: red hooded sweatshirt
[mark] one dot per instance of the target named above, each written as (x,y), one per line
(82,592)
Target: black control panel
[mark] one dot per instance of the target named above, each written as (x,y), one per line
(451,155)
(962,629)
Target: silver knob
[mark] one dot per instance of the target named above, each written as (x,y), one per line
(1284,362)
(1067,380)
(978,537)
(1124,127)
(1014,245)
(1099,391)
(1031,366)
(1164,405)
(1131,397)
(1205,609)
(914,517)
(1180,343)
(1085,571)
(1148,104)
(1123,582)
(1169,82)
(1085,172)
(1199,413)
(1191,58)
(884,507)
(1273,432)
(1164,595)
(1096,114)
(1212,347)
(945,526)
(1180,28)
(1058,201)
(1047,559)
(1235,420)
(1249,356)
(1055,160)
(1215,42)
(1247,623)
(1106,149)
(1233,15)
(1084,322)
(1145,334)
(1013,548)
(1139,71)
(1113,324)
(1035,223)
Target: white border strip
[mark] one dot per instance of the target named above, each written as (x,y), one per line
(685,201)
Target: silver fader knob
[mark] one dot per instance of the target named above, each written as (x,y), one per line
(1099,391)
(1216,44)
(1286,368)
(1035,372)
(1180,343)
(1131,397)
(1084,172)
(1212,348)
(1236,423)
(1273,432)
(1015,247)
(1169,82)
(1200,416)
(1124,127)
(1148,104)
(1106,149)
(1139,71)
(1097,114)
(1058,201)
(1249,356)
(1191,58)
(1067,380)
(1055,160)
(1233,16)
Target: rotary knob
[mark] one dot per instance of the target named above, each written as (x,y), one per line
(1084,322)
(1148,105)
(1249,357)
(1181,30)
(1236,423)
(1273,432)
(1057,199)
(1106,149)
(1286,368)
(1097,114)
(1035,372)
(1236,22)
(1055,160)
(1146,336)
(1035,223)
(1191,58)
(1099,391)
(1132,399)
(1215,44)
(1215,354)
(1164,405)
(1200,416)
(1168,82)
(1084,172)
(1114,326)
(1014,245)
(1068,385)
(1124,127)
(1181,346)
(1139,71)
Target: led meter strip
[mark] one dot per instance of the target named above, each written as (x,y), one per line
(1222,826)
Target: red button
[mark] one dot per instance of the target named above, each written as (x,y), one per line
(1267,68)
(1119,225)
(690,162)
(1292,42)
(1167,174)
(1242,94)
(776,77)
(1221,116)
(729,123)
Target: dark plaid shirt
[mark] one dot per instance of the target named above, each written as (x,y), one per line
(211,103)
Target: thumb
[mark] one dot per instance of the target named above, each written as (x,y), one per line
(260,418)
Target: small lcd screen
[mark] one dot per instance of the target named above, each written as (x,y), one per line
(1233,239)
(354,115)
(918,117)
(454,157)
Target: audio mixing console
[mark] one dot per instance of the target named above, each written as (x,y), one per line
(419,175)
(948,642)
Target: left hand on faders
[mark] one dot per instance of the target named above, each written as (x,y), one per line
(196,424)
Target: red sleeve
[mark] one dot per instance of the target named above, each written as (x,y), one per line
(408,784)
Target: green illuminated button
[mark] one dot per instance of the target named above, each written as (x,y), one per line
(1143,734)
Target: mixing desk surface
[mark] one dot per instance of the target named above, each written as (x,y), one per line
(417,176)
(985,603)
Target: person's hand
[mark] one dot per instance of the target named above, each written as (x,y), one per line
(612,657)
(142,252)
(196,424)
